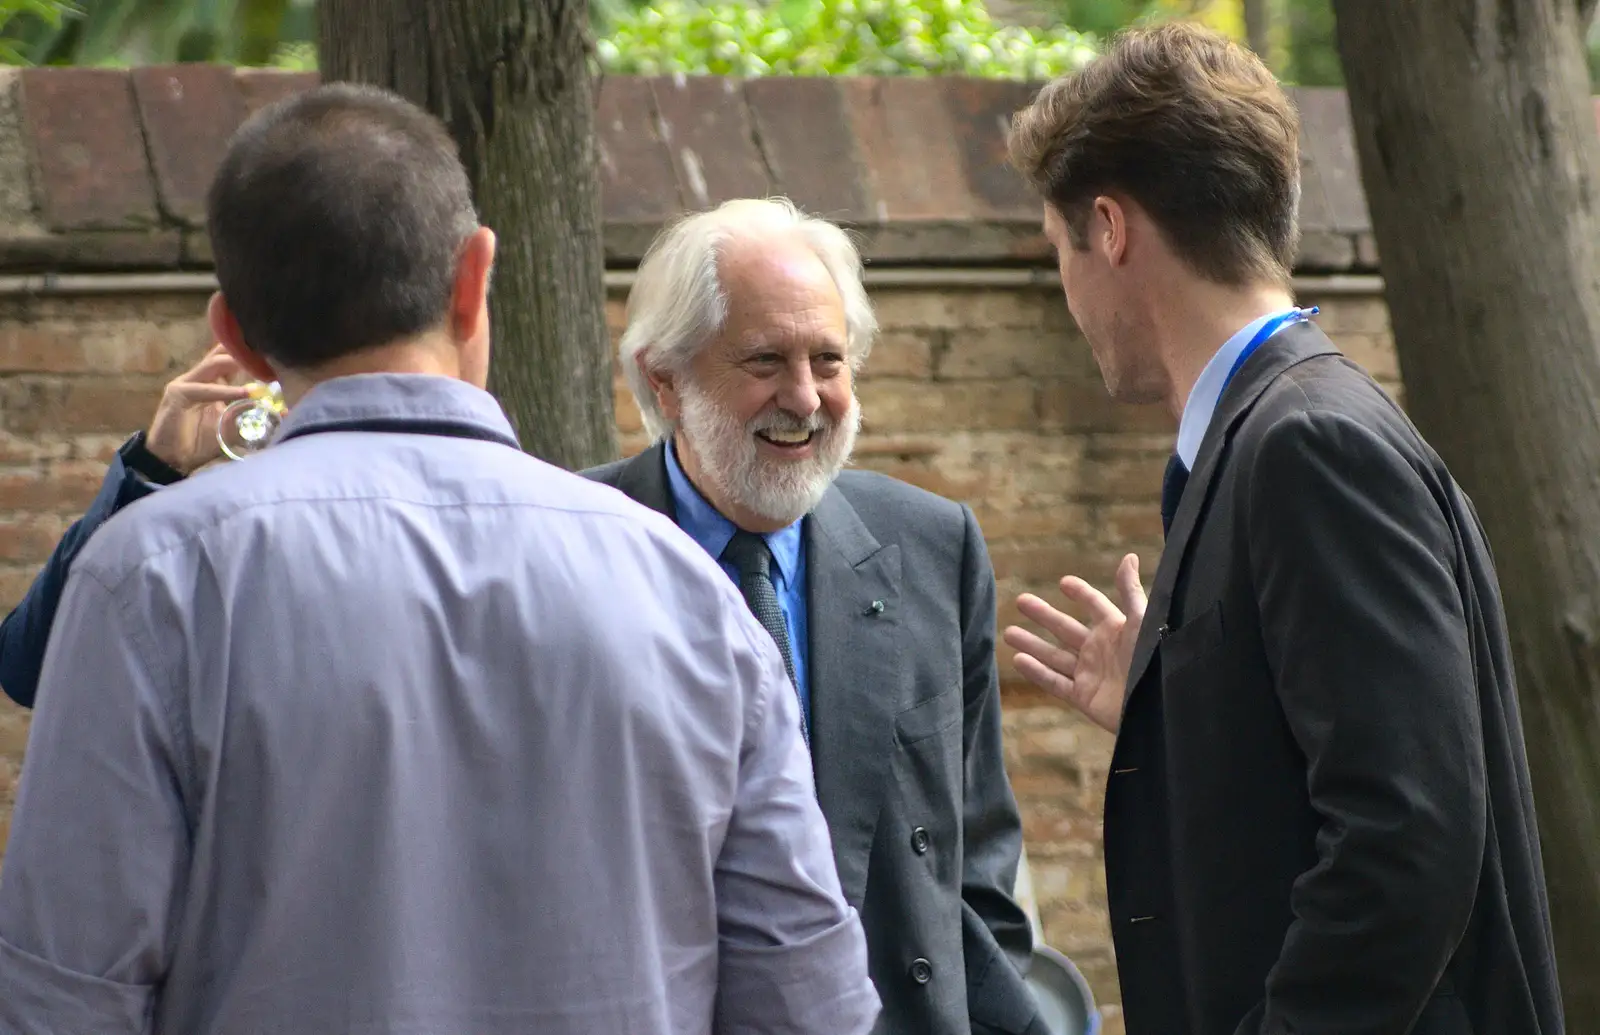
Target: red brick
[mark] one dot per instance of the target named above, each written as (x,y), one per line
(807,143)
(1361,314)
(13,738)
(628,419)
(188,112)
(1374,352)
(1082,404)
(95,250)
(1036,307)
(906,448)
(916,309)
(260,87)
(901,354)
(1000,523)
(80,404)
(981,110)
(14,582)
(706,128)
(32,449)
(616,317)
(932,406)
(1129,526)
(1003,352)
(29,538)
(89,155)
(1124,466)
(63,487)
(53,348)
(907,143)
(637,180)
(963,485)
(1042,563)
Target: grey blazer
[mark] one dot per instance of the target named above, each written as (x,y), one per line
(906,746)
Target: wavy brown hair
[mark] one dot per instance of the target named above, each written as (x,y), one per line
(1189,125)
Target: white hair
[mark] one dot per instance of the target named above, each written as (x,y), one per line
(678,305)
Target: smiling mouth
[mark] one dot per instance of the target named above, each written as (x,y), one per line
(787,440)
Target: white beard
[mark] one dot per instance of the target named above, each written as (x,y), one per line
(779,490)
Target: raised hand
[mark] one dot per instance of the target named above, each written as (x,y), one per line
(183,432)
(1086,665)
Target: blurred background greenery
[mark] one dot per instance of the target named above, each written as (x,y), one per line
(1001,38)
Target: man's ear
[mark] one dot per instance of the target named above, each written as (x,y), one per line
(663,386)
(225,329)
(1108,229)
(469,295)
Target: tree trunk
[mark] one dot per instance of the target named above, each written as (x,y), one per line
(1476,135)
(511,79)
(1258,28)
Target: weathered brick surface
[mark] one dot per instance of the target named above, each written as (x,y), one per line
(106,168)
(987,396)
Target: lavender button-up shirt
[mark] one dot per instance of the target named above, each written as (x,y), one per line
(403,734)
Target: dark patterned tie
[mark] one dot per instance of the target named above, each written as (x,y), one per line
(1172,484)
(748,552)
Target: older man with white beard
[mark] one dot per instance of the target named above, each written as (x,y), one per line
(747,326)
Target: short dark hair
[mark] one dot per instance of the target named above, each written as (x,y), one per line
(336,221)
(1192,127)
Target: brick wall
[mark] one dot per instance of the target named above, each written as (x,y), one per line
(979,388)
(983,394)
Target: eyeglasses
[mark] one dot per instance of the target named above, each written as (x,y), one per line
(246,426)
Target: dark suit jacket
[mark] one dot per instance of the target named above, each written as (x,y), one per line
(1318,818)
(905,735)
(25,632)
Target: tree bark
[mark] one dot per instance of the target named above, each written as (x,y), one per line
(1258,28)
(511,79)
(1477,143)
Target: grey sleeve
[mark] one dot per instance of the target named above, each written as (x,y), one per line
(793,956)
(99,843)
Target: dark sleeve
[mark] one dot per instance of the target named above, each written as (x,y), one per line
(25,632)
(995,929)
(1365,633)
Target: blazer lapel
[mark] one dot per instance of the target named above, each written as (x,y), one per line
(1291,346)
(855,672)
(644,479)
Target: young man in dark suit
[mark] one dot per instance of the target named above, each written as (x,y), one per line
(746,326)
(1318,817)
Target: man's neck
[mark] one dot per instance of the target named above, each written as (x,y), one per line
(425,355)
(1194,322)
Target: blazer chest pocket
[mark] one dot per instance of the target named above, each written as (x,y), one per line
(1193,640)
(930,718)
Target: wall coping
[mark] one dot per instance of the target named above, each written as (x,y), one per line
(105,170)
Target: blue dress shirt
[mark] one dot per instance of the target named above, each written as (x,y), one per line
(713,532)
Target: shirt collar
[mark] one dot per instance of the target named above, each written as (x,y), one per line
(706,526)
(1208,388)
(396,397)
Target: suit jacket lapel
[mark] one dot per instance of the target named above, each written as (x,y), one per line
(855,674)
(1294,344)
(644,479)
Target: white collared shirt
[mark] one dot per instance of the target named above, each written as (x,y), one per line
(1202,402)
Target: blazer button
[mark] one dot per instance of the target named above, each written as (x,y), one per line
(921,971)
(920,841)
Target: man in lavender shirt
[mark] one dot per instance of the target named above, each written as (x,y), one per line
(394,729)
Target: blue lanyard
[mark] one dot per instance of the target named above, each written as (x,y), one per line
(1267,330)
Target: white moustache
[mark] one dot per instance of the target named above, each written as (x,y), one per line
(789,424)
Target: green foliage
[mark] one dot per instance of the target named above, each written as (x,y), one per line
(136,32)
(833,37)
(48,13)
